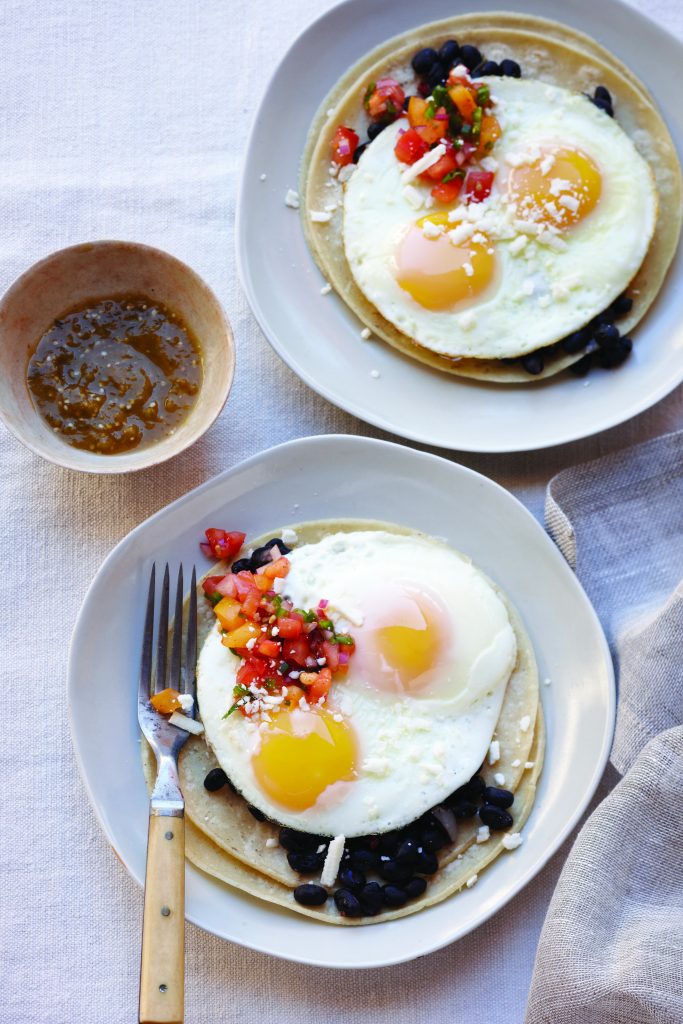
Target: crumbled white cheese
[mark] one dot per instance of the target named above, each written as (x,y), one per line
(489,163)
(469,269)
(263,177)
(320,216)
(483,834)
(516,763)
(546,682)
(524,723)
(461,232)
(559,185)
(471,881)
(375,374)
(335,852)
(424,163)
(547,164)
(529,764)
(494,752)
(570,203)
(499,779)
(188,724)
(278,585)
(366,333)
(431,230)
(250,644)
(326,289)
(292,199)
(186,701)
(412,196)
(271,842)
(511,840)
(345,172)
(518,244)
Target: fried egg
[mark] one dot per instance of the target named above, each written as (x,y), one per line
(413,718)
(565,229)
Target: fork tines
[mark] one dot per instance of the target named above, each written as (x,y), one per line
(180,674)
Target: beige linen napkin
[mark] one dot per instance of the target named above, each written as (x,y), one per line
(611,949)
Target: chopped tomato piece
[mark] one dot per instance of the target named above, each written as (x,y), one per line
(167,701)
(224,544)
(296,651)
(252,671)
(478,186)
(344,144)
(489,134)
(433,130)
(251,603)
(410,146)
(243,583)
(464,100)
(444,166)
(277,569)
(385,100)
(447,191)
(331,655)
(228,612)
(226,586)
(240,636)
(262,583)
(268,648)
(290,628)
(320,687)
(210,584)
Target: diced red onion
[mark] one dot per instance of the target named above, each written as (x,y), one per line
(447,818)
(322,605)
(343,658)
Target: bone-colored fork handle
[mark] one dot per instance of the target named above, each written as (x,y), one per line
(162,972)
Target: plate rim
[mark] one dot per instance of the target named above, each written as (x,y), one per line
(348,404)
(360,441)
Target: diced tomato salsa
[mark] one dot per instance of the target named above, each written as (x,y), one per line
(285,651)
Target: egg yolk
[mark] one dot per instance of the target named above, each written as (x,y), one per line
(439,274)
(301,754)
(560,188)
(403,652)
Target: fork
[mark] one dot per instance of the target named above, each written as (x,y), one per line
(162,971)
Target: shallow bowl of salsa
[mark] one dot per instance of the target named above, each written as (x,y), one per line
(114,356)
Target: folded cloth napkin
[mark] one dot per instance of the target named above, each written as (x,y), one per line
(611,949)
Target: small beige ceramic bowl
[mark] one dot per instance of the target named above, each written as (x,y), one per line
(94,271)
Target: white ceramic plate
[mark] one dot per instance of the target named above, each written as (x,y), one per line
(320,339)
(323,478)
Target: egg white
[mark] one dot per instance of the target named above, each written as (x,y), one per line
(570,286)
(412,750)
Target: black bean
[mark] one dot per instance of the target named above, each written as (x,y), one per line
(423,60)
(474,788)
(470,56)
(406,854)
(581,368)
(358,152)
(371,898)
(487,67)
(433,837)
(495,817)
(603,105)
(301,842)
(614,354)
(437,74)
(603,93)
(392,871)
(463,808)
(261,556)
(500,797)
(406,103)
(533,363)
(310,895)
(573,343)
(364,860)
(510,68)
(394,896)
(352,878)
(215,780)
(449,52)
(305,863)
(255,813)
(241,565)
(375,128)
(389,843)
(606,335)
(347,904)
(415,887)
(621,305)
(426,863)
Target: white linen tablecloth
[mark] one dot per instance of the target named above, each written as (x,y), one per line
(128,120)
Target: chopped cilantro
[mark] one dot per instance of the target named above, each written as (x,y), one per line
(325,624)
(368,93)
(483,95)
(452,175)
(215,598)
(343,638)
(430,110)
(391,109)
(240,692)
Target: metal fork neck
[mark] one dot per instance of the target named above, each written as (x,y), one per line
(167,799)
